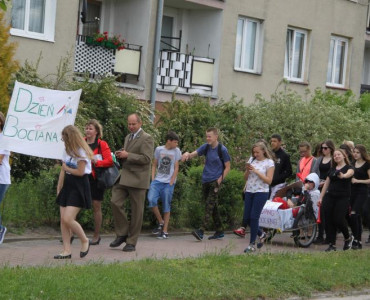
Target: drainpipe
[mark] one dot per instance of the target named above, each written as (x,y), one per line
(157,42)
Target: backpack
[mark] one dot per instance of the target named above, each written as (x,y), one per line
(219,151)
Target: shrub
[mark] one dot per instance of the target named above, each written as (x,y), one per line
(7,63)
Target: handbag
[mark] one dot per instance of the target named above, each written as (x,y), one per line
(106,177)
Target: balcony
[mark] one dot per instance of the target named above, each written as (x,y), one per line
(185,73)
(99,61)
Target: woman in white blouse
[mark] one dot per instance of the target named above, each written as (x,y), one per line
(73,191)
(259,172)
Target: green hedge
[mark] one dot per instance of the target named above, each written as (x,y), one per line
(31,202)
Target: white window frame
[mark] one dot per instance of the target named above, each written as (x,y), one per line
(288,71)
(337,40)
(49,24)
(257,60)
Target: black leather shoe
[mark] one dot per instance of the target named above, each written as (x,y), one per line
(118,241)
(129,248)
(60,256)
(83,254)
(95,243)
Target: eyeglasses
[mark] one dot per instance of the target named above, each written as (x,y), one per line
(308,181)
(324,148)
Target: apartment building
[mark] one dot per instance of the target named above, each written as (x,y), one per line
(213,48)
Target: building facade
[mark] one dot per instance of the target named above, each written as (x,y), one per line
(212,48)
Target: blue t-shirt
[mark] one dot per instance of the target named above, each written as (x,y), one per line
(213,167)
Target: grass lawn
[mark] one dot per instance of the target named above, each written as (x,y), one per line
(208,277)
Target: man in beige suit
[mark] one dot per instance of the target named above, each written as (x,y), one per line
(133,182)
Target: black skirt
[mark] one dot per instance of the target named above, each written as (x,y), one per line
(96,192)
(75,192)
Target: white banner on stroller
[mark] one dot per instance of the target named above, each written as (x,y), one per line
(273,217)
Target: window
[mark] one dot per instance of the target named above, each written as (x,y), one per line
(337,61)
(295,53)
(34,19)
(248,45)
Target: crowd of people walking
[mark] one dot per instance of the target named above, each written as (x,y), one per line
(337,178)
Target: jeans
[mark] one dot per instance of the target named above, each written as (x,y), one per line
(161,190)
(3,188)
(253,205)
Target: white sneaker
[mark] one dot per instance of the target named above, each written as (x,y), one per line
(250,249)
(163,236)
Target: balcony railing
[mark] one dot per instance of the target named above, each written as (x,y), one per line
(185,73)
(99,61)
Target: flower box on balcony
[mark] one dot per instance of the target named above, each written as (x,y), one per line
(92,42)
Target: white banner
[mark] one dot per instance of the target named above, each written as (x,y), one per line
(36,118)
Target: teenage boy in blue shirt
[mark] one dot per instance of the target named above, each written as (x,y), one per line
(216,168)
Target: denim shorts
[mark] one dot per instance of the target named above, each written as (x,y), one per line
(3,188)
(161,190)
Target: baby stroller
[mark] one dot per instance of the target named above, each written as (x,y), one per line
(300,220)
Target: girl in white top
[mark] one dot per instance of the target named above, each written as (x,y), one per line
(4,173)
(259,172)
(73,191)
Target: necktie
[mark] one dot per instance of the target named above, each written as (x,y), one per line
(131,137)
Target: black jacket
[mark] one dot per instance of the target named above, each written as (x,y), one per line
(283,167)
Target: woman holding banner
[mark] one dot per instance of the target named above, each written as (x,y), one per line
(73,191)
(4,174)
(102,159)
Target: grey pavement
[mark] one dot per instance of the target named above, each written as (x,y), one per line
(36,249)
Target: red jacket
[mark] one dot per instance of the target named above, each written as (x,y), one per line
(105,152)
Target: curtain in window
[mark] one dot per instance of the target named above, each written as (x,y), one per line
(18,14)
(330,63)
(288,52)
(339,62)
(250,45)
(239,38)
(298,55)
(37,14)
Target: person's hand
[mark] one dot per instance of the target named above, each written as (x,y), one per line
(354,180)
(340,175)
(172,181)
(290,203)
(319,202)
(219,180)
(122,154)
(185,156)
(64,166)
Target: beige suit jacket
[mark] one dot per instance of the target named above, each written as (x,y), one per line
(136,170)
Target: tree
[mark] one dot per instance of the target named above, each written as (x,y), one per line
(3,4)
(8,65)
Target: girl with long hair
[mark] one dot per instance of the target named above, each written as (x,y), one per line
(258,174)
(336,194)
(359,192)
(73,190)
(324,162)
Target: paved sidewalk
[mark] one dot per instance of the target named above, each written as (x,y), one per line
(36,251)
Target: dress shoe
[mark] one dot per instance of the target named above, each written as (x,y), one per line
(95,243)
(118,241)
(83,254)
(129,248)
(61,256)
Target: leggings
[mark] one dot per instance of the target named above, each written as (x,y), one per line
(336,208)
(358,199)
